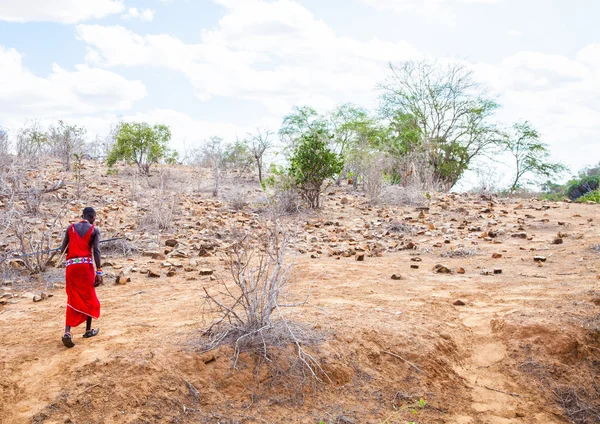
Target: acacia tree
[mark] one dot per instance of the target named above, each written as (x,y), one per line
(530,155)
(312,163)
(142,144)
(444,109)
(258,144)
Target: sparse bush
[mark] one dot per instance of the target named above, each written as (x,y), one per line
(66,141)
(35,241)
(403,196)
(374,178)
(282,192)
(4,143)
(31,141)
(460,252)
(237,199)
(249,310)
(164,206)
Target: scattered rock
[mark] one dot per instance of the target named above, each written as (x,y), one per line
(360,257)
(496,255)
(441,269)
(460,271)
(519,235)
(153,274)
(497,271)
(539,259)
(416,259)
(414,266)
(121,279)
(557,240)
(459,303)
(397,277)
(171,243)
(205,272)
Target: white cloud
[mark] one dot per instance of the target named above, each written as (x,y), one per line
(86,90)
(277,53)
(439,10)
(515,33)
(146,15)
(63,11)
(559,95)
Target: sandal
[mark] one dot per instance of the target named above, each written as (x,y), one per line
(91,333)
(67,340)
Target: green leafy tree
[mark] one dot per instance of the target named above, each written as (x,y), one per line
(312,163)
(141,144)
(441,111)
(301,121)
(530,156)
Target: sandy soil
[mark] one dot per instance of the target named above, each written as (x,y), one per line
(396,351)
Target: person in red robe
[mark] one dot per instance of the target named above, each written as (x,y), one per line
(82,243)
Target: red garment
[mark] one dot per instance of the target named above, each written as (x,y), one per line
(82,301)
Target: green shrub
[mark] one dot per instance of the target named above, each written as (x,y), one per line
(592,196)
(579,187)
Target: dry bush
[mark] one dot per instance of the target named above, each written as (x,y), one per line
(460,252)
(403,196)
(373,179)
(250,317)
(21,181)
(413,169)
(166,191)
(237,199)
(595,248)
(121,246)
(580,405)
(284,198)
(35,240)
(401,228)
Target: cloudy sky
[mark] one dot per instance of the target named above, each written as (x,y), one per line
(224,67)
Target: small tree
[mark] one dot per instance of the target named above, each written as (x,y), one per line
(312,163)
(31,140)
(530,155)
(142,144)
(4,145)
(66,140)
(213,155)
(258,144)
(442,111)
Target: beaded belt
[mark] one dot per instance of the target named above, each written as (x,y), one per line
(74,261)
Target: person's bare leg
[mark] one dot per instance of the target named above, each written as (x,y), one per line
(89,332)
(67,339)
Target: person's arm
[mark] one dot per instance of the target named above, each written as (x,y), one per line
(65,243)
(96,248)
(97,259)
